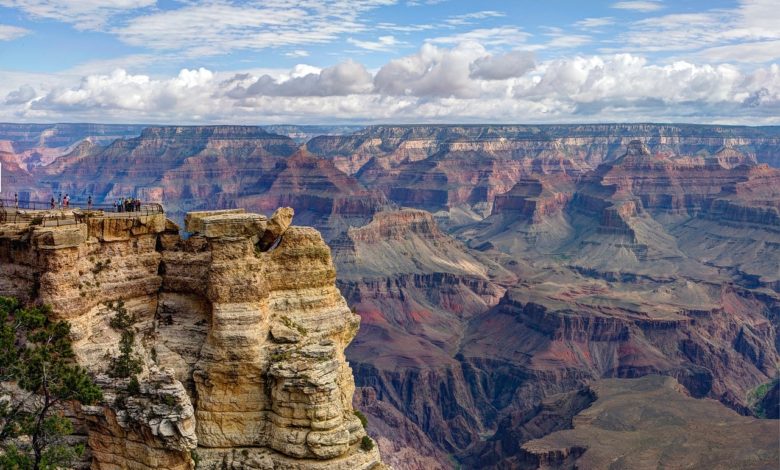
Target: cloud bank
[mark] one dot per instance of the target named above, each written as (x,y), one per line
(646,61)
(437,84)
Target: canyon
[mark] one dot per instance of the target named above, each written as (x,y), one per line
(509,280)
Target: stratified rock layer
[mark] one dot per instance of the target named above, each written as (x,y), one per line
(242,346)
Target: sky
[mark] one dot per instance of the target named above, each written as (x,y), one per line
(389,61)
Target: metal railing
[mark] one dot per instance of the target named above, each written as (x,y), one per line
(42,213)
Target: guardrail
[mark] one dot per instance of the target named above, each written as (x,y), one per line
(42,213)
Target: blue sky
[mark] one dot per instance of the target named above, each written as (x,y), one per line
(360,61)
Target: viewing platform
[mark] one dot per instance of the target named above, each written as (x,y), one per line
(41,213)
(70,226)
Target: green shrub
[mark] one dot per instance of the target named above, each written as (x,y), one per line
(133,387)
(362,418)
(127,363)
(366,443)
(122,320)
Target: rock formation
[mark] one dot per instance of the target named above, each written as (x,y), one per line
(239,329)
(650,423)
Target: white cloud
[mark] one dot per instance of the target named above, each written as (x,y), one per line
(501,36)
(188,92)
(468,18)
(628,79)
(83,14)
(561,40)
(502,67)
(297,53)
(417,3)
(751,52)
(406,28)
(22,95)
(464,83)
(643,6)
(717,34)
(433,71)
(595,22)
(9,33)
(383,43)
(216,28)
(346,78)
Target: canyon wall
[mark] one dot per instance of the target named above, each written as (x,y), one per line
(239,330)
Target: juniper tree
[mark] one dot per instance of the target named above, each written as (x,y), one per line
(38,374)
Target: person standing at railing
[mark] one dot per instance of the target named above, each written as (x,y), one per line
(53,204)
(89,202)
(16,201)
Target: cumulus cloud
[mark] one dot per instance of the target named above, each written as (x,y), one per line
(433,71)
(346,78)
(502,67)
(465,83)
(9,33)
(23,94)
(190,90)
(628,79)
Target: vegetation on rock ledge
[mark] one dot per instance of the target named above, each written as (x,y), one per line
(38,376)
(127,364)
(367,443)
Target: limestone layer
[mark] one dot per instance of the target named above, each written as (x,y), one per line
(239,327)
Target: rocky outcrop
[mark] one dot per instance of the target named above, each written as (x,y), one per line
(239,328)
(535,199)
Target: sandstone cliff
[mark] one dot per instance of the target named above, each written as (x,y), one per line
(239,330)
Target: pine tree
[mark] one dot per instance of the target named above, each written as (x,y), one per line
(38,375)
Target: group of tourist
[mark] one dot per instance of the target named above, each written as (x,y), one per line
(62,202)
(128,204)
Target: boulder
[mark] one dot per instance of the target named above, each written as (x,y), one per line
(279,223)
